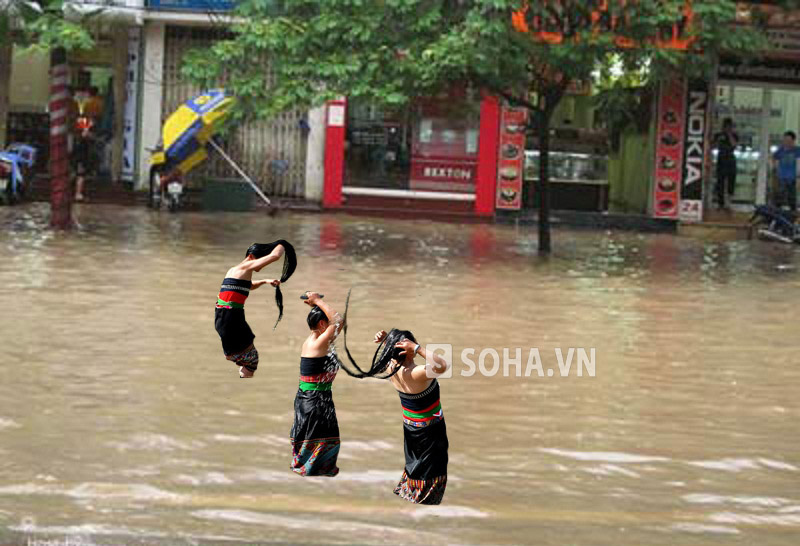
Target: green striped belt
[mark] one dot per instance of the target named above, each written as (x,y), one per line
(425,415)
(306,386)
(231,304)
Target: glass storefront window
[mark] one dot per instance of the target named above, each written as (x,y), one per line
(430,145)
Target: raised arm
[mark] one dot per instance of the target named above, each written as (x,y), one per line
(258,264)
(419,372)
(335,320)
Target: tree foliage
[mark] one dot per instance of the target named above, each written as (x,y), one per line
(389,51)
(42,25)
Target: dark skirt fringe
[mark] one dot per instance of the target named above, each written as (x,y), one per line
(429,491)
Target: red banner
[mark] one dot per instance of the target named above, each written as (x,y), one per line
(669,148)
(511,158)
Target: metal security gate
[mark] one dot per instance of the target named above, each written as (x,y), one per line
(272,151)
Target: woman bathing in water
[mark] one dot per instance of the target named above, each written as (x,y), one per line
(425,434)
(315,431)
(229,320)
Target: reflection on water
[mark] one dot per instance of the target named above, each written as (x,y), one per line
(121,422)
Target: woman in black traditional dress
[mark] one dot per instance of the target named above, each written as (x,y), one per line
(315,432)
(425,434)
(229,320)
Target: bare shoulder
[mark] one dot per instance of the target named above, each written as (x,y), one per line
(405,381)
(314,347)
(239,272)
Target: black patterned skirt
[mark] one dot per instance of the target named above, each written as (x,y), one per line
(425,474)
(315,434)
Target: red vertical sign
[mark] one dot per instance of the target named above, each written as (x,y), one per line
(511,158)
(669,148)
(486,183)
(334,153)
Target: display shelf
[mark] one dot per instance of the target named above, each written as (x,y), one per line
(569,167)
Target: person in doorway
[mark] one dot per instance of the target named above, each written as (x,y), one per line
(93,107)
(83,153)
(785,160)
(726,142)
(229,320)
(315,430)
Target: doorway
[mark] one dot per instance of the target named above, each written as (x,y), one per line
(761,114)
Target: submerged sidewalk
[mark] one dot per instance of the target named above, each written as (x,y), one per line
(717,224)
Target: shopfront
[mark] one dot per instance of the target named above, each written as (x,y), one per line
(439,151)
(763,101)
(760,97)
(99,72)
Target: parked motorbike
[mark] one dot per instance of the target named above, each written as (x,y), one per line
(16,165)
(166,184)
(775,224)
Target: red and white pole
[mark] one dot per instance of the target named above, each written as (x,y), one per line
(60,190)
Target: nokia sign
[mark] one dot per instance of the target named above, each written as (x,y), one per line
(694,148)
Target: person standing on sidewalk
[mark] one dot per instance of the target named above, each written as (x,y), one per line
(726,142)
(785,160)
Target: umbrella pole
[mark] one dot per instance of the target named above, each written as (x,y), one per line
(240,171)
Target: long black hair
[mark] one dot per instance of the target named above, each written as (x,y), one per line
(384,354)
(259,250)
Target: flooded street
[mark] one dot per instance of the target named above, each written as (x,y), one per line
(122,423)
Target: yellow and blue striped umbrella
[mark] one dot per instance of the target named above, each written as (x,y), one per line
(188,130)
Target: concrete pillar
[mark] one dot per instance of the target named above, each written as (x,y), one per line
(5,84)
(315,155)
(152,96)
(119,67)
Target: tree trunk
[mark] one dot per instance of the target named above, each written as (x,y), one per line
(60,187)
(543,128)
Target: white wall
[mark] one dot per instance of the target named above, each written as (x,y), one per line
(152,91)
(315,155)
(30,81)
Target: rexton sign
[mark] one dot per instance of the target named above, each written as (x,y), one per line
(694,151)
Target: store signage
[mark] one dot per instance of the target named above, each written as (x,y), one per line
(192,5)
(443,175)
(669,148)
(777,71)
(131,104)
(447,173)
(694,151)
(511,158)
(768,13)
(557,21)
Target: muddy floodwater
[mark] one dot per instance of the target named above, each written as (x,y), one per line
(122,423)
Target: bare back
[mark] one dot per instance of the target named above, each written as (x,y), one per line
(404,382)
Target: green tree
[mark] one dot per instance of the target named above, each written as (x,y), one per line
(390,51)
(41,24)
